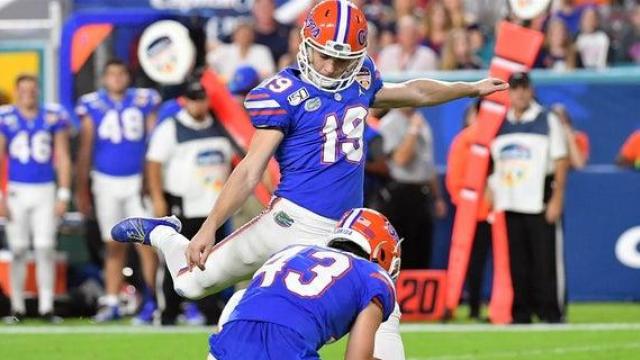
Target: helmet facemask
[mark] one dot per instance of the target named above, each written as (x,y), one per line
(332,49)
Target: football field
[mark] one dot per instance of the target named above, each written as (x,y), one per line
(596,331)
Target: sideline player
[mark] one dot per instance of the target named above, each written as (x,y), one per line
(306,296)
(113,134)
(32,136)
(312,119)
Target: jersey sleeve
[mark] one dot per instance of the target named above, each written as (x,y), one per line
(147,100)
(82,107)
(266,111)
(64,120)
(381,291)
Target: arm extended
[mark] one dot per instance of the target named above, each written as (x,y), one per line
(426,92)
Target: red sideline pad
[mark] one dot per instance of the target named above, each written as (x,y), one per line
(516,50)
(421,294)
(30,286)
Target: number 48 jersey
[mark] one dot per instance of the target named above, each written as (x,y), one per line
(315,291)
(119,129)
(322,155)
(30,141)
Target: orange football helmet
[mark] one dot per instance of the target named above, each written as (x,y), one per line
(335,28)
(372,232)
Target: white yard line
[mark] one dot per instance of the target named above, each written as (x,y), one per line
(404,328)
(517,328)
(534,353)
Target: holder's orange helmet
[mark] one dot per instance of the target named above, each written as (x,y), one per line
(372,232)
(335,28)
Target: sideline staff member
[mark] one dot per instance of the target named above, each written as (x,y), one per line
(530,169)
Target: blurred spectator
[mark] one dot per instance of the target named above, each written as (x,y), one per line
(386,37)
(577,141)
(404,8)
(407,54)
(457,53)
(226,58)
(268,31)
(558,51)
(113,134)
(377,11)
(31,136)
(480,45)
(629,49)
(630,152)
(437,24)
(188,162)
(244,79)
(570,14)
(454,180)
(413,195)
(592,43)
(528,183)
(460,17)
(487,12)
(289,58)
(373,44)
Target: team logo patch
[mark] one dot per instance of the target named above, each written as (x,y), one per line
(515,164)
(298,97)
(283,219)
(362,37)
(312,104)
(364,78)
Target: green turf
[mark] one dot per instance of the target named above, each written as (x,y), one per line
(472,343)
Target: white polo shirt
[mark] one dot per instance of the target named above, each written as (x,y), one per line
(195,158)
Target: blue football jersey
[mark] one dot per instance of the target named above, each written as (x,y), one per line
(315,291)
(322,155)
(119,129)
(29,142)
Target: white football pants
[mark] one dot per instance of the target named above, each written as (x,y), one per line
(32,214)
(238,256)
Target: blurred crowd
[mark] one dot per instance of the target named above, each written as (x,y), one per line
(429,35)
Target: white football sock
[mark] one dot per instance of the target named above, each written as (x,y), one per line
(45,275)
(172,245)
(17,276)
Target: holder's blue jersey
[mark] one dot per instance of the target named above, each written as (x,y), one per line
(119,129)
(315,291)
(29,142)
(321,157)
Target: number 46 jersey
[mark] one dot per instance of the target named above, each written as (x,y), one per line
(322,155)
(30,142)
(315,291)
(119,129)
